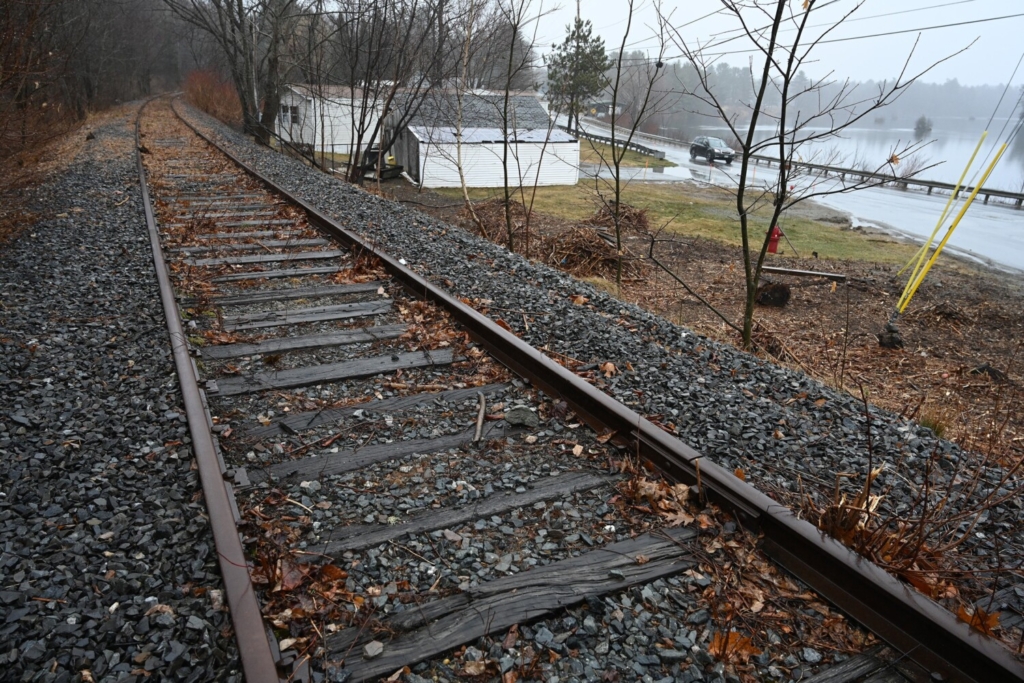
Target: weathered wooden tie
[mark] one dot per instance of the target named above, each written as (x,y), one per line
(248,246)
(332,372)
(436,627)
(358,458)
(280,273)
(307,342)
(360,536)
(317,314)
(266,258)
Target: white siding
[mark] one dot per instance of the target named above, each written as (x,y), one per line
(329,132)
(482,164)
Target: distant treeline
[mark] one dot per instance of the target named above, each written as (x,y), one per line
(681,112)
(60,59)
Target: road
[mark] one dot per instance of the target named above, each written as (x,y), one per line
(990,233)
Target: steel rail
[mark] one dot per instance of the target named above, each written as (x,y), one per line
(917,627)
(258,661)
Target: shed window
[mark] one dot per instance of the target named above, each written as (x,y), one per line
(295,114)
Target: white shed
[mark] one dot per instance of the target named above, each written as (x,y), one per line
(539,157)
(430,146)
(322,118)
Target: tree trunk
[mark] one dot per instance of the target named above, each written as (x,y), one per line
(271,105)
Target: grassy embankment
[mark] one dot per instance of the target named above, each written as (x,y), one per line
(593,152)
(692,211)
(322,158)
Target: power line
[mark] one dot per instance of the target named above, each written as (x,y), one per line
(860,37)
(849,38)
(689,23)
(872,16)
(925,28)
(727,40)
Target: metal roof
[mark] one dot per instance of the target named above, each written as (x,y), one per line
(481,109)
(476,135)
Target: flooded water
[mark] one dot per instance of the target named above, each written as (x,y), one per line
(949,145)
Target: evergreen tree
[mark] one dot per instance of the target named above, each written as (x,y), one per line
(576,70)
(922,127)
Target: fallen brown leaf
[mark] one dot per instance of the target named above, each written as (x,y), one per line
(511,637)
(477,668)
(679,519)
(732,645)
(981,621)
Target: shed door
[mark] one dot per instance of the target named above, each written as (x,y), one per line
(413,167)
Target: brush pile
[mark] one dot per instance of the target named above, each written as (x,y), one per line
(491,214)
(631,219)
(582,252)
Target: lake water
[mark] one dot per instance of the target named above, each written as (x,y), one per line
(990,232)
(950,145)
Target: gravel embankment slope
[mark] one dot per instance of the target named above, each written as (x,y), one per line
(790,434)
(107,564)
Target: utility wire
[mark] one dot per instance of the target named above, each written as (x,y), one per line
(741,31)
(1005,90)
(860,37)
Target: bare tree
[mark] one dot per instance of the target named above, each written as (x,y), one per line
(250,33)
(388,51)
(496,57)
(61,58)
(516,17)
(803,112)
(309,59)
(472,17)
(632,88)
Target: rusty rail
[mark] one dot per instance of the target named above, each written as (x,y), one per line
(258,660)
(922,630)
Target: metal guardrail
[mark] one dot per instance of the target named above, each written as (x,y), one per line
(932,185)
(632,146)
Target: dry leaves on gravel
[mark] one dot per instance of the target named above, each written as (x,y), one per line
(732,647)
(669,501)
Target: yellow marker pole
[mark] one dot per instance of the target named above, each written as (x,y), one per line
(920,255)
(949,233)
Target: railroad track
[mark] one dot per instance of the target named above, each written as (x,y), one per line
(390,475)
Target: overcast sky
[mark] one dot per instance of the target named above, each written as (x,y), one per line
(991,60)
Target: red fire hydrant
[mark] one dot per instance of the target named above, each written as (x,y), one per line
(773,240)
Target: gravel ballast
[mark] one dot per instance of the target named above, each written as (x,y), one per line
(108,570)
(108,565)
(790,434)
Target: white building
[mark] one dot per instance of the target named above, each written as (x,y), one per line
(431,146)
(325,118)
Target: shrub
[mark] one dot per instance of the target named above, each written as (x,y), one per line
(216,96)
(922,127)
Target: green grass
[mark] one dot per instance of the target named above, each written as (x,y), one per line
(593,152)
(338,158)
(711,214)
(321,157)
